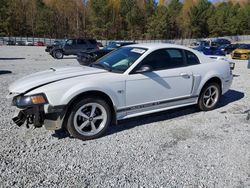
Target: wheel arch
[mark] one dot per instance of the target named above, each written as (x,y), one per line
(92,93)
(200,103)
(214,79)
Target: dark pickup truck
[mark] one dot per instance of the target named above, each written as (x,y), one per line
(73,47)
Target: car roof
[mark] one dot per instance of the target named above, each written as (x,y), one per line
(80,39)
(155,46)
(247,46)
(221,39)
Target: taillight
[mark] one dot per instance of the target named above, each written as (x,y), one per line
(232,65)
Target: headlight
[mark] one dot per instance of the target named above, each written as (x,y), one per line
(25,101)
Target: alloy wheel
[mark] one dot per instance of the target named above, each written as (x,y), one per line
(211,96)
(90,119)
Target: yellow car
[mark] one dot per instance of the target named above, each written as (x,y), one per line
(242,52)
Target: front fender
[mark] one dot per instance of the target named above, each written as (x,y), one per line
(61,93)
(78,89)
(56,48)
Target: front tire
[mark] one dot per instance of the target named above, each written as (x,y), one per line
(58,54)
(89,119)
(209,97)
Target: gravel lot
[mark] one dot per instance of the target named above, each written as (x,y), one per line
(177,148)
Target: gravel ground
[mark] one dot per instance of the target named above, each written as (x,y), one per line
(177,148)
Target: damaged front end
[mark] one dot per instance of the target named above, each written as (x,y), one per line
(30,109)
(31,116)
(35,110)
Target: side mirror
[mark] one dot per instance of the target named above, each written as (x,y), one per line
(144,68)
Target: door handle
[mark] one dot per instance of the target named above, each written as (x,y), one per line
(185,75)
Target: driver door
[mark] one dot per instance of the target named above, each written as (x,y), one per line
(169,80)
(70,47)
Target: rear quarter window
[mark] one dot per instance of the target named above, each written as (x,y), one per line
(192,59)
(173,53)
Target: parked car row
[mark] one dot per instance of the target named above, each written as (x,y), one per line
(215,43)
(222,47)
(24,43)
(215,47)
(89,50)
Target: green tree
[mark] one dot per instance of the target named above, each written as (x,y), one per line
(3,17)
(16,18)
(124,19)
(183,18)
(133,22)
(244,19)
(224,20)
(157,27)
(100,16)
(43,25)
(174,9)
(198,19)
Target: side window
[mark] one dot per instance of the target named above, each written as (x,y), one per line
(164,59)
(175,54)
(74,42)
(69,42)
(81,42)
(92,41)
(192,59)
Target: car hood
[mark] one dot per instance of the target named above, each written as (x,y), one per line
(35,80)
(242,50)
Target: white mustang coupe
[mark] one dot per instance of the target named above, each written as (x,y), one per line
(131,81)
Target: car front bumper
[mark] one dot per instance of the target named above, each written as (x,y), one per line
(47,49)
(240,56)
(51,117)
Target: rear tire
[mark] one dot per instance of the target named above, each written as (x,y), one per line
(89,119)
(209,96)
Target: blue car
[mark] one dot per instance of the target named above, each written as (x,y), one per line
(210,50)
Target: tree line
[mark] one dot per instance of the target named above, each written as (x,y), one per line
(124,19)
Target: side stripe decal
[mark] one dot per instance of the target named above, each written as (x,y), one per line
(153,104)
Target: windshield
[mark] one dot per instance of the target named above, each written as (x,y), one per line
(223,46)
(59,42)
(204,43)
(119,60)
(244,46)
